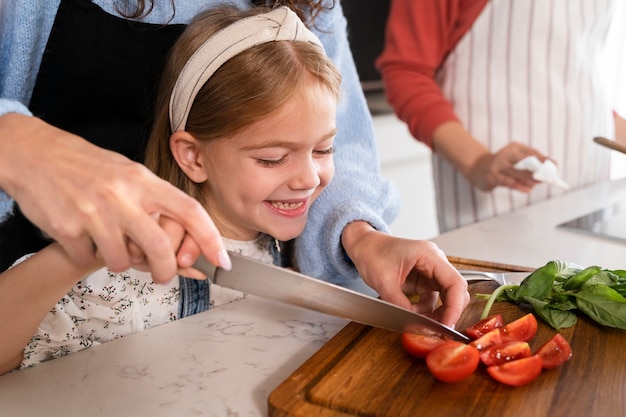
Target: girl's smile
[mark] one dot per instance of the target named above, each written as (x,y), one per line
(292,208)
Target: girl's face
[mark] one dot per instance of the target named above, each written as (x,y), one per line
(265,178)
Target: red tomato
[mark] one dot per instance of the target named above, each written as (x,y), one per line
(516,373)
(489,339)
(522,329)
(555,352)
(484,326)
(420,345)
(505,352)
(452,361)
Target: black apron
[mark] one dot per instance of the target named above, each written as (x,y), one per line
(97,79)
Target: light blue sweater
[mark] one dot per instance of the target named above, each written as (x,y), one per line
(357,192)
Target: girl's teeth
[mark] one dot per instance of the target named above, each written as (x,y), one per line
(286,206)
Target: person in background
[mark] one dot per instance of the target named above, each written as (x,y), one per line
(488,83)
(250,155)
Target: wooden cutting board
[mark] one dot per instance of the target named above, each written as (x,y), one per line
(364,371)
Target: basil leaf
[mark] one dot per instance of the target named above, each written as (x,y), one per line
(620,288)
(575,282)
(603,304)
(538,284)
(558,319)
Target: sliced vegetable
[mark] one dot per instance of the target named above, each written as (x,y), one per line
(420,345)
(503,349)
(484,326)
(452,361)
(522,329)
(505,352)
(555,352)
(489,339)
(518,372)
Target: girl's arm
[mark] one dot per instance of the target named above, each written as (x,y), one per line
(27,292)
(357,191)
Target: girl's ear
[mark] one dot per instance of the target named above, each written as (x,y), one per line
(187,153)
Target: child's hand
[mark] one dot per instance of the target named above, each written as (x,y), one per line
(405,270)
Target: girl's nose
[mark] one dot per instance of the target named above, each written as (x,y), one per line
(306,175)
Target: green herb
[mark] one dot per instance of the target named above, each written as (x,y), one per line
(559,290)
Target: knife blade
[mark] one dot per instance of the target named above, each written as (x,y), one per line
(281,284)
(502,278)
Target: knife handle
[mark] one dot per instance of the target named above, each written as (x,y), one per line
(610,143)
(203,265)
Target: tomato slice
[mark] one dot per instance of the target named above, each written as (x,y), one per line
(522,329)
(420,345)
(505,352)
(452,361)
(484,326)
(489,339)
(518,372)
(555,352)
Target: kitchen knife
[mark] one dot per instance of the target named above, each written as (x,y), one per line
(281,284)
(502,278)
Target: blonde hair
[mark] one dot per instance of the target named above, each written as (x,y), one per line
(244,90)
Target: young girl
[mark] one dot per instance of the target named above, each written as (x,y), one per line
(258,155)
(245,123)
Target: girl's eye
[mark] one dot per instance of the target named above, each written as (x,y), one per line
(328,151)
(271,162)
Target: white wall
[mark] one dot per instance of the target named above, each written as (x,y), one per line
(406,162)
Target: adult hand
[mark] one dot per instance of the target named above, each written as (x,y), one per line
(493,170)
(82,195)
(398,268)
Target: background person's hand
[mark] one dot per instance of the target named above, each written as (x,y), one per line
(482,168)
(81,195)
(497,169)
(400,268)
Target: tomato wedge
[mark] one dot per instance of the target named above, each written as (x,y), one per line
(518,372)
(484,326)
(420,345)
(522,329)
(452,361)
(489,339)
(555,352)
(505,352)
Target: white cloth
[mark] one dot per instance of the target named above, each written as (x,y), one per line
(544,172)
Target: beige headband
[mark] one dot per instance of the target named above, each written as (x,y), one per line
(280,24)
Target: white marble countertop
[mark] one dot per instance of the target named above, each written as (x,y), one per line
(226,362)
(530,236)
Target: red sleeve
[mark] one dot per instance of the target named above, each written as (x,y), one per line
(418,37)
